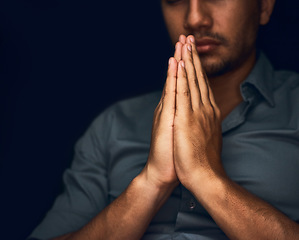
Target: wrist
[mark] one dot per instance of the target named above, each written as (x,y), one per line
(160,177)
(207,185)
(152,185)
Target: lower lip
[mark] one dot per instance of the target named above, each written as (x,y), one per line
(205,48)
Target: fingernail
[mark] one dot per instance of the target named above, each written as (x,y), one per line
(189,47)
(192,39)
(169,61)
(182,64)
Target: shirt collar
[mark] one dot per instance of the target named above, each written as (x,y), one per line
(261,78)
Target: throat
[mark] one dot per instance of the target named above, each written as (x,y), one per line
(226,88)
(227,105)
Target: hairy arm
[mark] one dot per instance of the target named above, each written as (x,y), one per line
(130,214)
(242,215)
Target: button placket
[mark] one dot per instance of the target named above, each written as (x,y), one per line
(191,204)
(188,202)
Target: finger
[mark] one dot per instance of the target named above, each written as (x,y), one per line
(182,39)
(200,73)
(178,51)
(211,96)
(191,76)
(169,92)
(183,98)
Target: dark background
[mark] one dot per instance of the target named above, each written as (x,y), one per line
(61,63)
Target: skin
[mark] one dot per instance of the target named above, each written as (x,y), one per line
(236,23)
(214,19)
(197,160)
(186,136)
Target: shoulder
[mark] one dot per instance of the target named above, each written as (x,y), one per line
(287,80)
(286,86)
(130,109)
(132,114)
(286,95)
(137,106)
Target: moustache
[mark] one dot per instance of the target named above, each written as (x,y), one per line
(216,36)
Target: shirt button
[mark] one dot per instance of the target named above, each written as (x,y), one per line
(191,204)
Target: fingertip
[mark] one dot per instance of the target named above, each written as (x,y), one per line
(190,39)
(178,51)
(172,61)
(182,64)
(181,68)
(186,50)
(182,39)
(178,44)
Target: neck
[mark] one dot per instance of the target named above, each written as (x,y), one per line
(226,88)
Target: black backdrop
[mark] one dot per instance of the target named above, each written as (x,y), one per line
(61,63)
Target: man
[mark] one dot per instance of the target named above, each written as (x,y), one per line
(223,158)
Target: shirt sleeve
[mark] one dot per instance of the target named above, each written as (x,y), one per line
(85,185)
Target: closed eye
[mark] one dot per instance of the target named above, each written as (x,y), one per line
(172,2)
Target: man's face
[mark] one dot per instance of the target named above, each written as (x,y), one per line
(225,30)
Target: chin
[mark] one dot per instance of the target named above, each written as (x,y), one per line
(215,67)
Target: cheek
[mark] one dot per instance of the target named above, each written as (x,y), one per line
(248,32)
(175,25)
(174,33)
(247,24)
(241,32)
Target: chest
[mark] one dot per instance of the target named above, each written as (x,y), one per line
(263,159)
(266,162)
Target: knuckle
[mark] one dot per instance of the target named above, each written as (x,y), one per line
(193,79)
(209,110)
(217,112)
(168,92)
(186,92)
(170,74)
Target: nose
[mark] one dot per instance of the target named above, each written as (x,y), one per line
(198,16)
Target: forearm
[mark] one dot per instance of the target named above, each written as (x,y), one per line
(242,215)
(128,216)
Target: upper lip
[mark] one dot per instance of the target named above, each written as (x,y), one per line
(206,41)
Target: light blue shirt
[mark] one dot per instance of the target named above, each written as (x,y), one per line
(260,152)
